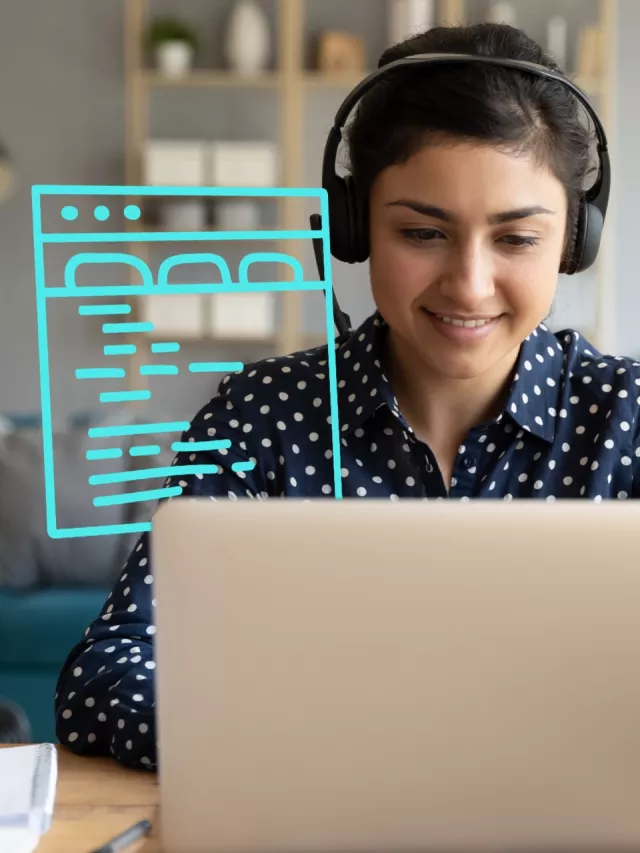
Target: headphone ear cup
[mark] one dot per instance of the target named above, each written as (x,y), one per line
(358,214)
(358,242)
(361,222)
(592,234)
(349,238)
(576,247)
(339,219)
(588,234)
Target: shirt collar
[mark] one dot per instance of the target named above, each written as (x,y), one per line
(363,387)
(532,401)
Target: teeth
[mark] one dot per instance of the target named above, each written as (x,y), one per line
(468,324)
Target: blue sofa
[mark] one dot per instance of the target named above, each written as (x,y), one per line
(47,599)
(51,589)
(37,631)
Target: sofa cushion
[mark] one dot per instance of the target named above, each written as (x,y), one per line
(29,558)
(40,628)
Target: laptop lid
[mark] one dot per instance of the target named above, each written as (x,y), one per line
(357,675)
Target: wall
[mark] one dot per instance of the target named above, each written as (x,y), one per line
(61,98)
(61,108)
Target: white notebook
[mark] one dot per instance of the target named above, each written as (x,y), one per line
(28,779)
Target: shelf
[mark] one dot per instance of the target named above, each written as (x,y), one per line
(211,229)
(270,80)
(348,79)
(590,84)
(333,80)
(294,87)
(213,79)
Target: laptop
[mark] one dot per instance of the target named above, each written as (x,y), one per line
(355,676)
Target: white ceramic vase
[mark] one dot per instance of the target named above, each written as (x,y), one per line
(408,17)
(247,42)
(557,39)
(174,58)
(503,12)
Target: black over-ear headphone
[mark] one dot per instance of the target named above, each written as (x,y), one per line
(348,220)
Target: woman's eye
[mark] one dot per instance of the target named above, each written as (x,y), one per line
(520,240)
(421,235)
(428,235)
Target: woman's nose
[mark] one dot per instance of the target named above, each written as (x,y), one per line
(468,281)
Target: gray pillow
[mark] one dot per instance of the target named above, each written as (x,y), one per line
(28,556)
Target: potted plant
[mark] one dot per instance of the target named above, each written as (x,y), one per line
(173,45)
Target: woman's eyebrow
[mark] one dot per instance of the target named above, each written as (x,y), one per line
(519,213)
(447,216)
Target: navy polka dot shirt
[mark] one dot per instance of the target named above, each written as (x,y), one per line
(569,429)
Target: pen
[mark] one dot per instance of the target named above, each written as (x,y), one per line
(125,838)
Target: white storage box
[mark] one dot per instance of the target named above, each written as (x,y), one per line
(174,314)
(174,163)
(243,315)
(242,164)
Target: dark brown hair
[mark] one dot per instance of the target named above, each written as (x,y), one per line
(512,110)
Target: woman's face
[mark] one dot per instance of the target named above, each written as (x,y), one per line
(465,234)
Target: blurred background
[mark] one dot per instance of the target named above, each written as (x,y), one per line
(207,93)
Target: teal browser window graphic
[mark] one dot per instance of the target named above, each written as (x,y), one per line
(87,267)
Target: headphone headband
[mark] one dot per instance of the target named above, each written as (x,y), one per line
(436,59)
(598,195)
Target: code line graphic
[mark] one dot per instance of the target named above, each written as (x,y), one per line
(96,247)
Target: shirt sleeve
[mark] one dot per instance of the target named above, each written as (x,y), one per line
(105,697)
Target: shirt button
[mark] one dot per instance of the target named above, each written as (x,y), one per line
(469,463)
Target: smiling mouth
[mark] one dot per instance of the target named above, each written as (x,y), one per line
(472,323)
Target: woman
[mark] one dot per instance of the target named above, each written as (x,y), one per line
(454,388)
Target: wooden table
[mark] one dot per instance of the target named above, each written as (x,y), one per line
(95,800)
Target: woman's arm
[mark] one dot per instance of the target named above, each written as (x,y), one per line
(105,695)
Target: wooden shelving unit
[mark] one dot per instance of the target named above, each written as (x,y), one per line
(326,80)
(217,79)
(292,83)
